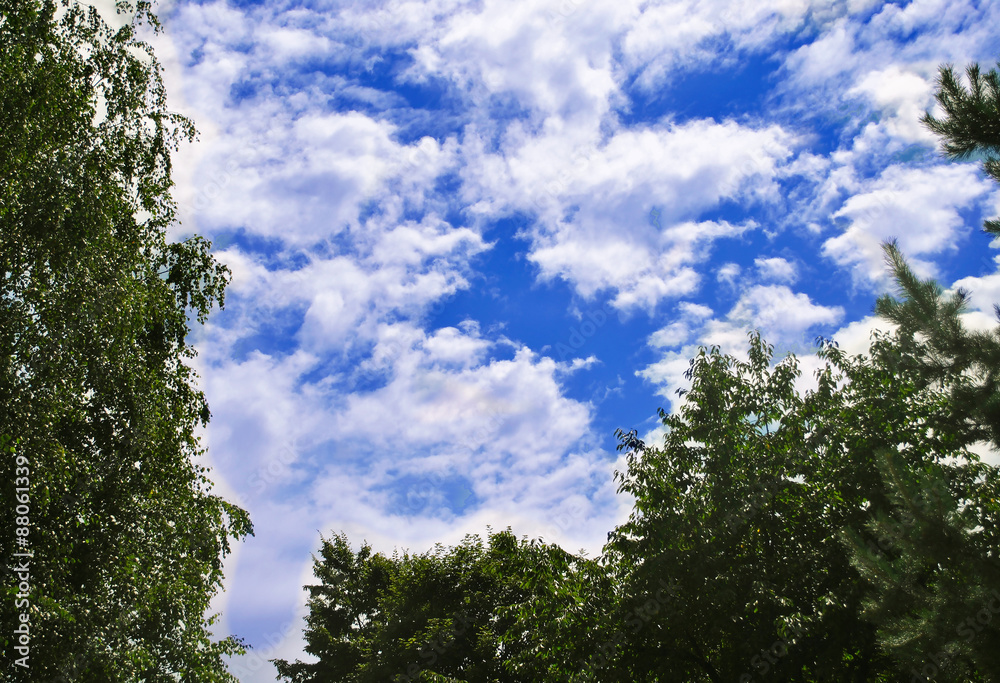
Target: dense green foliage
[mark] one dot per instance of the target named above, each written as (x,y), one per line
(936,566)
(844,533)
(428,617)
(739,508)
(95,395)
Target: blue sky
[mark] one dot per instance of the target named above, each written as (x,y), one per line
(469,240)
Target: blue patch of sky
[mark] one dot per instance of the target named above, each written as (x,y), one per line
(546,316)
(819,278)
(376,86)
(196,55)
(430,495)
(730,92)
(621,400)
(342,243)
(505,291)
(972,255)
(368,210)
(368,380)
(431,106)
(507,281)
(421,102)
(244,89)
(346,369)
(448,184)
(268,251)
(505,107)
(274,337)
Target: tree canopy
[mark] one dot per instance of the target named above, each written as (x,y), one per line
(838,535)
(98,407)
(435,616)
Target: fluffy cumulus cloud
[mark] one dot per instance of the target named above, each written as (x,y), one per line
(779,312)
(904,95)
(984,290)
(437,407)
(445,440)
(340,299)
(556,62)
(921,34)
(783,317)
(690,317)
(417,198)
(624,216)
(777,269)
(303,176)
(920,208)
(667,36)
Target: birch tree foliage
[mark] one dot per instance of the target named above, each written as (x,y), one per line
(96,392)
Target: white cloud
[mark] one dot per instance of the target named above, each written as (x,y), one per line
(783,317)
(444,398)
(623,216)
(666,36)
(920,207)
(341,299)
(902,95)
(921,34)
(826,58)
(728,272)
(691,317)
(559,69)
(855,337)
(674,334)
(776,269)
(984,294)
(694,311)
(287,44)
(378,463)
(314,171)
(873,80)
